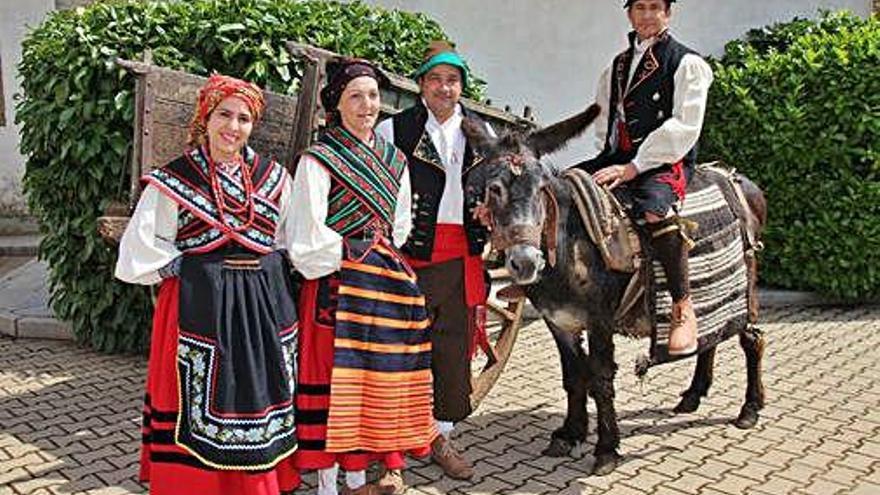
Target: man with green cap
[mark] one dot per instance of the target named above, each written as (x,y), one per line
(446,242)
(653,99)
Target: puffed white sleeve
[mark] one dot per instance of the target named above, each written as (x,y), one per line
(603,99)
(386,130)
(283,232)
(403,210)
(678,134)
(314,248)
(148,241)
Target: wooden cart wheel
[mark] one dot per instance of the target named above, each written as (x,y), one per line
(504,325)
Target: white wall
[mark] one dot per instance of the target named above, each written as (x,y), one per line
(549,53)
(15,17)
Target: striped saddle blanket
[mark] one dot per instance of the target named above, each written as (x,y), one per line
(718,273)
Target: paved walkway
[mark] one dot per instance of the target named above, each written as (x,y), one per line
(69,420)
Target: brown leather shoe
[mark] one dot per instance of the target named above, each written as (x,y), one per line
(455,466)
(683,334)
(391,482)
(367,489)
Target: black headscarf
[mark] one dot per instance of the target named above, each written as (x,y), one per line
(340,73)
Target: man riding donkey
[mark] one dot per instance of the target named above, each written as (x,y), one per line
(653,99)
(446,242)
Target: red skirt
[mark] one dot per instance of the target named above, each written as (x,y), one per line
(166,466)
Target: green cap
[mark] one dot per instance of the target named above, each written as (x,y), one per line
(447,58)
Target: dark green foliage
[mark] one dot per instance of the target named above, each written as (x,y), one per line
(799,112)
(76,114)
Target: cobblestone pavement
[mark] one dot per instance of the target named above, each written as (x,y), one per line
(69,420)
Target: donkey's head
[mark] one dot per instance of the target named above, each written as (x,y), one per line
(518,196)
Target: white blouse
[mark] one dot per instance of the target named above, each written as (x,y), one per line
(315,248)
(678,134)
(148,241)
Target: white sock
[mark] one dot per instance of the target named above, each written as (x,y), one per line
(355,479)
(327,480)
(445,428)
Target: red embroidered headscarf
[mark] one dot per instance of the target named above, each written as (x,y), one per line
(218,88)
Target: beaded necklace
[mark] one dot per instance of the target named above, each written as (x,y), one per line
(220,195)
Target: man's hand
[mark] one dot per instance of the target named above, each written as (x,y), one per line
(616,175)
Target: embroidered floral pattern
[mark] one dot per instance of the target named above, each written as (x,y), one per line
(196,361)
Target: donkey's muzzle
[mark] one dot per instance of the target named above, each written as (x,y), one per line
(524,263)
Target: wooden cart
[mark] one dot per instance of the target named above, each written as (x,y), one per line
(164,101)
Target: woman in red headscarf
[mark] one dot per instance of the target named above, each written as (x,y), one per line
(212,228)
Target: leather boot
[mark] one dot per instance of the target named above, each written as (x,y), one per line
(391,482)
(368,489)
(455,466)
(671,251)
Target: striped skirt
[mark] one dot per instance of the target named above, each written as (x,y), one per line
(365,366)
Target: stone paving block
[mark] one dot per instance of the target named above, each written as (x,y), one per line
(546,464)
(87,470)
(824,487)
(689,482)
(734,484)
(694,454)
(562,476)
(799,473)
(817,460)
(757,471)
(645,480)
(841,474)
(12,474)
(32,485)
(532,487)
(778,484)
(519,475)
(87,483)
(798,447)
(777,458)
(490,486)
(509,459)
(866,489)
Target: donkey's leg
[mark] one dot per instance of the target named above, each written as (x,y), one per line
(601,382)
(703,374)
(574,380)
(751,339)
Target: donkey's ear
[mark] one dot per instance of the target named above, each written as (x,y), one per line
(476,133)
(554,137)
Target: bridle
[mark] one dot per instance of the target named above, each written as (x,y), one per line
(537,236)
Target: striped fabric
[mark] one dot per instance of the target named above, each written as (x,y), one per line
(381,386)
(718,275)
(365,179)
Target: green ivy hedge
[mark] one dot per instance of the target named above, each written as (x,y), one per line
(796,107)
(76,114)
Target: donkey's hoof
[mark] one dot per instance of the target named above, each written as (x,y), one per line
(605,463)
(559,447)
(748,417)
(688,404)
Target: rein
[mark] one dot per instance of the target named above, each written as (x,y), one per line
(537,236)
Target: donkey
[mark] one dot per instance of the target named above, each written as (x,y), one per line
(577,295)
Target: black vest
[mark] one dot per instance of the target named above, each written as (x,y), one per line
(428,179)
(648,99)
